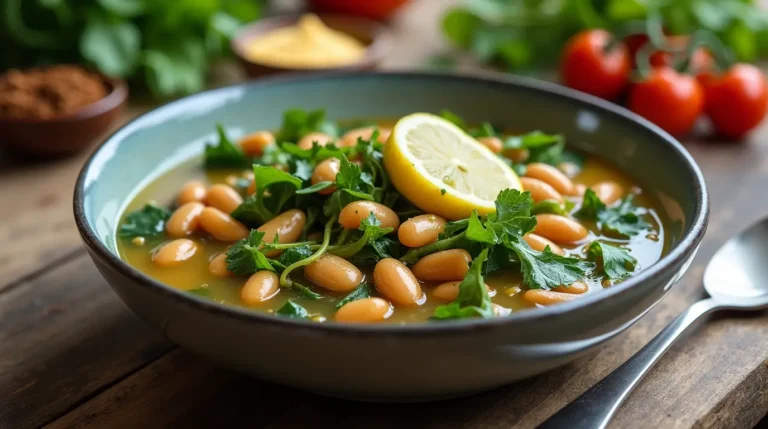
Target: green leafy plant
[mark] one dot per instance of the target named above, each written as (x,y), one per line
(526,34)
(164,46)
(147,222)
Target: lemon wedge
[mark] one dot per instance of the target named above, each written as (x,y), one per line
(443,170)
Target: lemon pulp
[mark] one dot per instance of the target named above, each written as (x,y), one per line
(442,169)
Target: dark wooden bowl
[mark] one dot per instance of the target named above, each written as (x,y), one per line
(371,33)
(65,134)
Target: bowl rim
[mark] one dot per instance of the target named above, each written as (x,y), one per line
(117,95)
(381,41)
(684,249)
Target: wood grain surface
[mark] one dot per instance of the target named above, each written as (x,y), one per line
(73,356)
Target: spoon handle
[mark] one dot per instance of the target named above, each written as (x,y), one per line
(595,407)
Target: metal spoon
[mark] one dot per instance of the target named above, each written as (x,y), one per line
(736,279)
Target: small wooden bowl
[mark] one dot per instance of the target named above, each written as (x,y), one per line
(65,134)
(373,34)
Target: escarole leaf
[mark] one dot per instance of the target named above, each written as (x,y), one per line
(473,299)
(372,232)
(292,310)
(298,122)
(224,153)
(615,262)
(513,213)
(364,290)
(147,222)
(546,270)
(622,221)
(261,207)
(246,256)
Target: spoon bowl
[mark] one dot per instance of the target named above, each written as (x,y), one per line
(737,275)
(736,278)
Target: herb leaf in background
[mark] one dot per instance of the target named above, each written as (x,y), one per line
(473,299)
(147,222)
(298,123)
(530,34)
(224,153)
(615,262)
(166,47)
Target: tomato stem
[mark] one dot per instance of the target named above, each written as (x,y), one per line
(723,55)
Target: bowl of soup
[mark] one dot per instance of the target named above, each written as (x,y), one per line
(365,235)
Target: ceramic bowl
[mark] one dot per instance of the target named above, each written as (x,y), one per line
(385,362)
(66,134)
(372,34)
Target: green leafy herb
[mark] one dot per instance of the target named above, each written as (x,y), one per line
(246,256)
(549,206)
(224,153)
(295,254)
(147,222)
(372,232)
(513,213)
(364,290)
(623,220)
(260,207)
(453,118)
(292,310)
(317,187)
(616,262)
(531,34)
(532,141)
(203,292)
(477,232)
(546,270)
(473,299)
(297,123)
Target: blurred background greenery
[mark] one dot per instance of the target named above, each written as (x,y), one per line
(164,46)
(520,34)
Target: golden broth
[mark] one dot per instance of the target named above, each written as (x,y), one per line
(194,273)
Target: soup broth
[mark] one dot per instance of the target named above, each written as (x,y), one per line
(506,286)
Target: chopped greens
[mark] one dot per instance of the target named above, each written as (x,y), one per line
(495,239)
(364,290)
(247,255)
(147,222)
(615,262)
(549,206)
(224,153)
(622,221)
(260,207)
(292,310)
(473,299)
(297,123)
(546,270)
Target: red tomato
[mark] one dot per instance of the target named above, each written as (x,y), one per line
(586,65)
(737,100)
(637,41)
(669,99)
(375,9)
(701,60)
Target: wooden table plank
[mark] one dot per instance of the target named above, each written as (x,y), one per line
(68,347)
(65,335)
(37,214)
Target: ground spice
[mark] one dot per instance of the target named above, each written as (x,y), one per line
(49,92)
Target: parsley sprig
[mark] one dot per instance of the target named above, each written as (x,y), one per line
(624,220)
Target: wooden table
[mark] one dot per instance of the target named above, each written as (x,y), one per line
(72,355)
